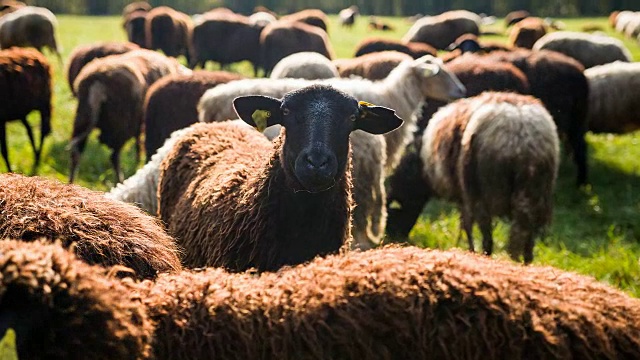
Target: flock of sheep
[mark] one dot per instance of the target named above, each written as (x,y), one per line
(236,243)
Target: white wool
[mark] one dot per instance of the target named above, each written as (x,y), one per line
(305,65)
(589,49)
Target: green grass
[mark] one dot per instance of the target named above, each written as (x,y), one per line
(595,231)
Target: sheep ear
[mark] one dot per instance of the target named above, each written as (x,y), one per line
(376,119)
(429,69)
(258,111)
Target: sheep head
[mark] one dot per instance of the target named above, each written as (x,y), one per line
(436,82)
(318,120)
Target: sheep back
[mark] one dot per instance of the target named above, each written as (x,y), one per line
(102,231)
(168,30)
(134,25)
(29,26)
(392,303)
(304,65)
(526,32)
(440,31)
(313,17)
(414,49)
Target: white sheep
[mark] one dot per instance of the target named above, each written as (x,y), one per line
(614,91)
(589,49)
(305,65)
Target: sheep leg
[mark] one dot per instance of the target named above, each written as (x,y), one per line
(466,220)
(115,161)
(579,145)
(33,142)
(484,222)
(75,158)
(3,145)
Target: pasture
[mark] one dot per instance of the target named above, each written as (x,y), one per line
(595,230)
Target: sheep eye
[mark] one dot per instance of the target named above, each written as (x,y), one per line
(285,111)
(352,117)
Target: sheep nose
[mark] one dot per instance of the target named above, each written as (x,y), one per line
(317,161)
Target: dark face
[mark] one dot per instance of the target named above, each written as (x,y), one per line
(318,120)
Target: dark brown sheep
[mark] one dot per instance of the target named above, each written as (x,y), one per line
(515,17)
(134,25)
(373,66)
(441,30)
(216,37)
(313,17)
(393,303)
(29,26)
(168,30)
(559,81)
(62,308)
(526,32)
(82,55)
(101,231)
(414,49)
(283,38)
(234,199)
(135,6)
(25,85)
(111,93)
(171,104)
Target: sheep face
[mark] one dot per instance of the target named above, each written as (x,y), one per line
(436,82)
(318,120)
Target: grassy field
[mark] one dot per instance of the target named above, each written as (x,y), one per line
(596,230)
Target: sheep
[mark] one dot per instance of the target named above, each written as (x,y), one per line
(236,216)
(404,90)
(304,65)
(377,24)
(526,32)
(62,308)
(111,93)
(216,37)
(29,26)
(262,18)
(134,25)
(135,6)
(82,55)
(9,6)
(392,303)
(348,16)
(168,30)
(282,38)
(373,66)
(313,17)
(170,104)
(25,85)
(515,17)
(440,31)
(590,50)
(623,19)
(470,43)
(632,29)
(374,44)
(495,154)
(101,231)
(559,81)
(613,98)
(613,16)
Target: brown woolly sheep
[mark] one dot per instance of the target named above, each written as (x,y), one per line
(515,17)
(414,49)
(168,30)
(281,38)
(134,25)
(440,31)
(263,205)
(9,6)
(25,85)
(216,37)
(102,231)
(559,81)
(135,6)
(373,66)
(29,26)
(62,308)
(171,104)
(392,303)
(313,17)
(82,55)
(526,32)
(111,93)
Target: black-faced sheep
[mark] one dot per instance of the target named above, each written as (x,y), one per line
(134,25)
(440,31)
(526,32)
(29,26)
(515,17)
(313,17)
(60,307)
(392,303)
(414,49)
(589,49)
(171,104)
(348,16)
(168,30)
(304,65)
(135,6)
(469,43)
(82,55)
(613,97)
(25,85)
(559,81)
(216,37)
(283,38)
(495,154)
(111,93)
(99,230)
(262,205)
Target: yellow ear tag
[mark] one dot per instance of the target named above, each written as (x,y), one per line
(8,348)
(364,103)
(260,117)
(364,111)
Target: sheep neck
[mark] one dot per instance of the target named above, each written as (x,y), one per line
(297,225)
